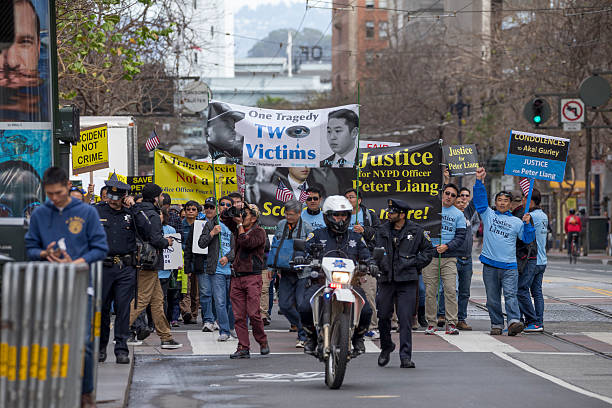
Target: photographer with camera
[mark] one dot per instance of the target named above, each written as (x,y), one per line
(245,292)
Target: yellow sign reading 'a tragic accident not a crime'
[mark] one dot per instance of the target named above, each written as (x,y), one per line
(185,179)
(91,153)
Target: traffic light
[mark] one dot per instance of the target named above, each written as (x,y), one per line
(70,126)
(537,111)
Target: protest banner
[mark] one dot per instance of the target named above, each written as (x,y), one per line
(287,138)
(91,153)
(536,156)
(136,182)
(173,255)
(185,179)
(411,173)
(462,160)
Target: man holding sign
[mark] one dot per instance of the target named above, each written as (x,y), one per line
(501,229)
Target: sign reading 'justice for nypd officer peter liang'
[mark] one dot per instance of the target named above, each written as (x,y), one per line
(282,138)
(536,156)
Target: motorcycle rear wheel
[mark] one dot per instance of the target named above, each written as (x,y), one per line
(335,365)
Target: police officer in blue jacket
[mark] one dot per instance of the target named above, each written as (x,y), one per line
(338,241)
(119,274)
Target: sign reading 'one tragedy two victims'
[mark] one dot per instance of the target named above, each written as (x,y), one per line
(536,156)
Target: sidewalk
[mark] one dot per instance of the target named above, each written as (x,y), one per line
(592,258)
(113,380)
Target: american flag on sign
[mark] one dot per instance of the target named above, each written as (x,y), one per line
(303,193)
(524,184)
(152,141)
(283,193)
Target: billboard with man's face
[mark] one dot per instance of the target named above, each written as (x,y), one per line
(25,110)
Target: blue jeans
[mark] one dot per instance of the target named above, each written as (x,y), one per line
(536,293)
(205,287)
(496,279)
(271,294)
(421,291)
(218,285)
(524,298)
(464,275)
(290,291)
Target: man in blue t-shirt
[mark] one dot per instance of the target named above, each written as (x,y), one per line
(444,264)
(312,214)
(500,229)
(540,223)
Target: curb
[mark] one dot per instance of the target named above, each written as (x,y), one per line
(126,396)
(583,260)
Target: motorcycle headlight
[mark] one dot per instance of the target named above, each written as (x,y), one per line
(341,277)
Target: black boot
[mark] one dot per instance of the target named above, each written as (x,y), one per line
(310,345)
(421,316)
(358,343)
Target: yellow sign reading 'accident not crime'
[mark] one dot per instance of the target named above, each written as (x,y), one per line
(91,153)
(185,179)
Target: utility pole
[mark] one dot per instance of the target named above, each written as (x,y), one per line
(289,54)
(587,180)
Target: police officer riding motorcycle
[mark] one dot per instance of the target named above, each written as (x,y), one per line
(336,258)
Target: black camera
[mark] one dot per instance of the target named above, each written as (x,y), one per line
(234,212)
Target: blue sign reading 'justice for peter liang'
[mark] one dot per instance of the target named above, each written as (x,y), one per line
(536,156)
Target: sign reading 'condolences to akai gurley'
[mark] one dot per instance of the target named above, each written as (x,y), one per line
(91,153)
(461,160)
(536,156)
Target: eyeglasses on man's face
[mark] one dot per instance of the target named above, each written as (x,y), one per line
(449,193)
(226,204)
(313,199)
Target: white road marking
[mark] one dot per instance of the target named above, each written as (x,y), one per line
(371,347)
(477,342)
(604,337)
(552,379)
(207,344)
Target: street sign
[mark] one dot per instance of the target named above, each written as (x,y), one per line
(572,110)
(572,127)
(598,167)
(595,91)
(195,96)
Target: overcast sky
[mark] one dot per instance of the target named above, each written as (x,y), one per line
(238,4)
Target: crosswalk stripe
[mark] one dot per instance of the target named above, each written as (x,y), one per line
(207,344)
(371,347)
(604,337)
(477,342)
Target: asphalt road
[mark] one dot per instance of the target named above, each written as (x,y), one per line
(569,366)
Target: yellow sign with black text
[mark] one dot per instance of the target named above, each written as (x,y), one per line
(185,179)
(91,153)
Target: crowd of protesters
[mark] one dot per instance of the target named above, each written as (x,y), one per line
(228,281)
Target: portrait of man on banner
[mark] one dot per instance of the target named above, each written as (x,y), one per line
(24,66)
(342,137)
(224,143)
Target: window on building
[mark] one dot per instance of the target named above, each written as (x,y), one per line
(195,4)
(382,3)
(369,4)
(383,29)
(369,57)
(369,29)
(195,57)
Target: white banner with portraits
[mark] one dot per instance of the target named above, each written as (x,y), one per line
(283,138)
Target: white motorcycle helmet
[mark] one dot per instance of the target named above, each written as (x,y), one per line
(335,204)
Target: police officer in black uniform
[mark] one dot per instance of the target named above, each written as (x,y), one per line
(119,274)
(337,241)
(407,252)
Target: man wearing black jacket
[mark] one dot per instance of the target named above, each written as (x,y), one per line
(149,288)
(407,252)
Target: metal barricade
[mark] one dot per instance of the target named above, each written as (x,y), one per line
(43,331)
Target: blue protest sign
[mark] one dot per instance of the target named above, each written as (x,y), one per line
(536,156)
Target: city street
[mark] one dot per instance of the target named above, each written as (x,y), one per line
(568,365)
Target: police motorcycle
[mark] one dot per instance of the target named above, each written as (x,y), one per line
(336,306)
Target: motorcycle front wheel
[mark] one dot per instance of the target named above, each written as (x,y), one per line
(335,366)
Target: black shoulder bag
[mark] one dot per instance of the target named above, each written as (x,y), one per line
(147,256)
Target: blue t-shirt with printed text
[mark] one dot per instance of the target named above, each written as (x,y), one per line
(452,219)
(226,247)
(317,221)
(540,223)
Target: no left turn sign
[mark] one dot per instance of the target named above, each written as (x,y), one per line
(572,110)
